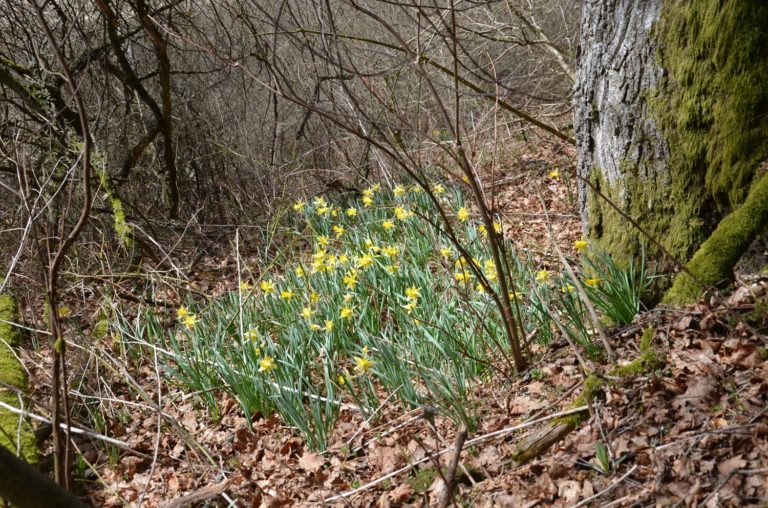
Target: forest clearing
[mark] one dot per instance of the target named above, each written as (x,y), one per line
(373,253)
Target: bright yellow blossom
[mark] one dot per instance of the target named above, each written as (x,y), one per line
(439,189)
(463,276)
(351,212)
(190,320)
(401,213)
(315,327)
(463,214)
(314,297)
(346,313)
(580,245)
(322,240)
(555,174)
(339,231)
(410,306)
(568,288)
(307,312)
(287,294)
(446,252)
(320,201)
(348,297)
(267,286)
(267,364)
(364,261)
(350,279)
(542,276)
(299,205)
(387,225)
(362,364)
(412,293)
(252,334)
(328,325)
(323,210)
(341,380)
(182,312)
(398,191)
(416,188)
(390,251)
(391,268)
(592,282)
(299,271)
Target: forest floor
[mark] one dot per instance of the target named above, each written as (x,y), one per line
(693,432)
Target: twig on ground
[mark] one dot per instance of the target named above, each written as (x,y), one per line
(615,484)
(75,430)
(199,496)
(450,477)
(481,439)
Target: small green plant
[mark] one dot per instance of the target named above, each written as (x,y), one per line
(604,462)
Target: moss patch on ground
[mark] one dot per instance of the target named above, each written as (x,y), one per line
(15,433)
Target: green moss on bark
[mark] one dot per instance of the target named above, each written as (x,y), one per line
(15,433)
(714,261)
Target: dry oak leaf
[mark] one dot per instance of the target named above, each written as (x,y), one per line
(311,462)
(729,466)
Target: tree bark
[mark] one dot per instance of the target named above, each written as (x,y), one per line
(671,124)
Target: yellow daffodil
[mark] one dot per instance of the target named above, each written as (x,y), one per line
(410,306)
(391,269)
(328,325)
(252,334)
(463,276)
(315,327)
(580,245)
(350,279)
(267,364)
(480,288)
(465,178)
(267,286)
(446,252)
(314,297)
(339,231)
(323,210)
(568,288)
(497,227)
(341,380)
(287,294)
(348,297)
(334,212)
(182,312)
(299,271)
(592,282)
(376,187)
(322,240)
(391,251)
(362,364)
(320,201)
(343,259)
(387,225)
(299,205)
(401,213)
(351,212)
(555,174)
(307,312)
(416,188)
(412,293)
(463,214)
(245,286)
(483,231)
(542,276)
(346,313)
(438,189)
(364,261)
(367,201)
(398,191)
(190,320)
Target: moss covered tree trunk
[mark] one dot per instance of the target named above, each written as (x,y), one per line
(671,107)
(15,433)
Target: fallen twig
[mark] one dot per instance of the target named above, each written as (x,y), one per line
(450,477)
(615,484)
(471,442)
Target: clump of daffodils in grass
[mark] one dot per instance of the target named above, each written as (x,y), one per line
(379,305)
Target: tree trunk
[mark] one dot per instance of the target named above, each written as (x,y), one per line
(671,107)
